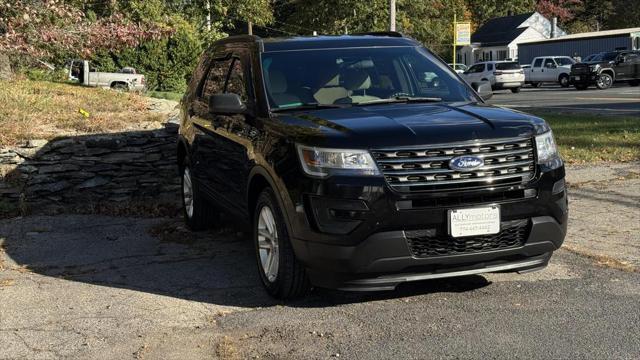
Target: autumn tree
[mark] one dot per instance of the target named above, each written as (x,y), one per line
(47,29)
(564,10)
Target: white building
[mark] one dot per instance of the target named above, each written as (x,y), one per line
(498,38)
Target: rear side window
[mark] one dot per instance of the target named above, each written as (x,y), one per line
(537,63)
(508,66)
(549,63)
(565,61)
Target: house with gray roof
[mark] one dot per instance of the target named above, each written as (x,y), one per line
(498,38)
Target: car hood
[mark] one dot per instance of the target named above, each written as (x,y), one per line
(408,124)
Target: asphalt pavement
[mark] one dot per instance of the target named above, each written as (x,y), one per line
(89,286)
(621,99)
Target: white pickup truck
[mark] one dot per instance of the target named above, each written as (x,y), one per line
(549,69)
(127,79)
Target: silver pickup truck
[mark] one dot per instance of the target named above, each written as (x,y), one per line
(126,79)
(549,69)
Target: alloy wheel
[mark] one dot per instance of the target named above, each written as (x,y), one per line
(604,81)
(187,192)
(268,244)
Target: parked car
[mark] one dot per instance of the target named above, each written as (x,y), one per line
(615,66)
(501,74)
(126,79)
(459,68)
(354,173)
(549,69)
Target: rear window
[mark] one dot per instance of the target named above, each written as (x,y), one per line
(508,66)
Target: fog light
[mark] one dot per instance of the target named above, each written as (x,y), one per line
(529,193)
(558,187)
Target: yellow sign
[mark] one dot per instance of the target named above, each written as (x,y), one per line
(463,33)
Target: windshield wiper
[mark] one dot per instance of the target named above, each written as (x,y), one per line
(401,99)
(306,106)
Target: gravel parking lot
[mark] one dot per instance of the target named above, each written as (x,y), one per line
(88,286)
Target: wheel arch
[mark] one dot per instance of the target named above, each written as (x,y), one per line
(609,71)
(119,82)
(259,179)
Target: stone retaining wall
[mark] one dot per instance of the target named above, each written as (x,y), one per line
(90,170)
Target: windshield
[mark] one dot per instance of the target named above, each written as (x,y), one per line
(610,56)
(352,76)
(507,66)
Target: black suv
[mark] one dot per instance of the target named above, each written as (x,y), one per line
(361,162)
(606,68)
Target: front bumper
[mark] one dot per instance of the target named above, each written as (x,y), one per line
(583,78)
(508,84)
(352,233)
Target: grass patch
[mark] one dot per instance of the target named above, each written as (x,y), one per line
(44,110)
(165,95)
(592,139)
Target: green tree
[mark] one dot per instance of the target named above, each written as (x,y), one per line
(428,21)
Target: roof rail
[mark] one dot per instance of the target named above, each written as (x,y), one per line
(381,33)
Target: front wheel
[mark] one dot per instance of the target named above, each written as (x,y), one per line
(198,213)
(515,90)
(564,81)
(604,81)
(282,275)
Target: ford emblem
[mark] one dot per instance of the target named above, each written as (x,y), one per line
(465,163)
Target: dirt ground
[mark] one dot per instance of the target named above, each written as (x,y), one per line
(88,286)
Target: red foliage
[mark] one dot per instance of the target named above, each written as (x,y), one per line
(51,27)
(564,10)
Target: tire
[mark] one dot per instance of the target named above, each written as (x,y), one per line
(581,86)
(283,276)
(515,90)
(120,87)
(198,213)
(604,81)
(564,80)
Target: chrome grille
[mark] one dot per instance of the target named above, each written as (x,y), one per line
(506,161)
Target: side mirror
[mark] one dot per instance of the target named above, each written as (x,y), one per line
(483,89)
(226,104)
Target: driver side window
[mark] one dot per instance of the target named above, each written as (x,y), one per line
(236,82)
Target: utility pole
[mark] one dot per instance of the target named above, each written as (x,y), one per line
(392,15)
(250,27)
(208,5)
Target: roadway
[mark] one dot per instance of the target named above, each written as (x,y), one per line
(618,100)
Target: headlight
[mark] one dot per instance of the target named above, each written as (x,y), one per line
(546,146)
(593,67)
(322,162)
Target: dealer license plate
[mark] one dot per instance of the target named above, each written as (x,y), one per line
(474,221)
